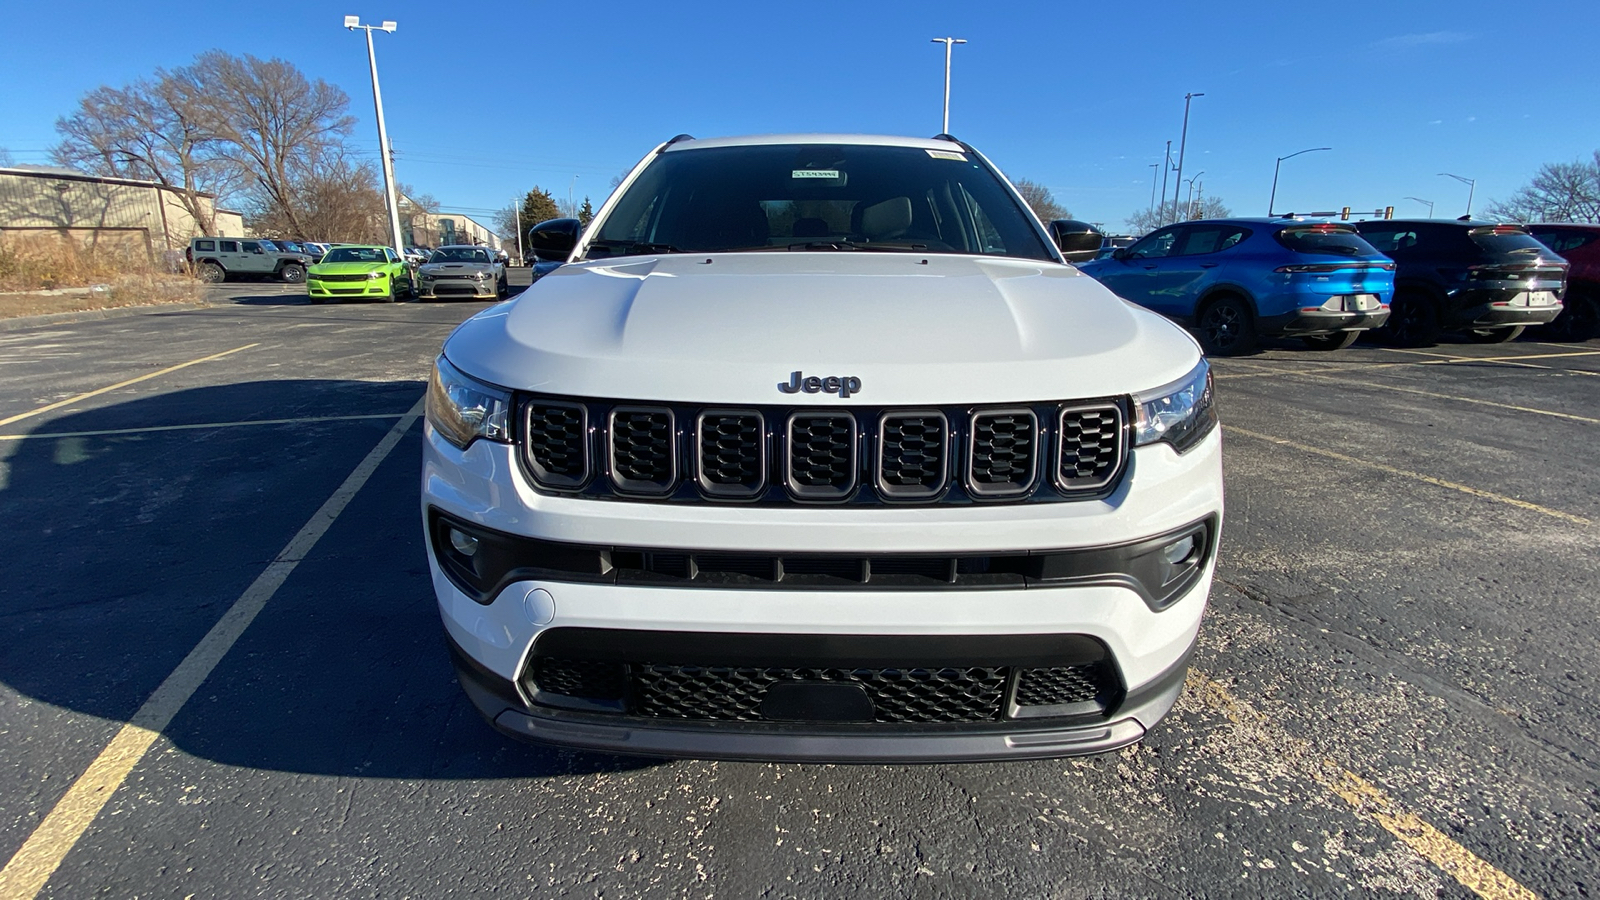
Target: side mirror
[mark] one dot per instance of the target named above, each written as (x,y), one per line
(553,240)
(1120,253)
(1078,241)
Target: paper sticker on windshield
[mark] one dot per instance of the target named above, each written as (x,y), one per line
(832,174)
(947,154)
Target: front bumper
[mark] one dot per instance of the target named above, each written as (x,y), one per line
(495,635)
(455,288)
(334,290)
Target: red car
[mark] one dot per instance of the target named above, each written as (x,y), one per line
(1580,246)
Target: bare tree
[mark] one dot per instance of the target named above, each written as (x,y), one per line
(1144,221)
(5,158)
(1559,192)
(275,128)
(338,201)
(149,131)
(1040,200)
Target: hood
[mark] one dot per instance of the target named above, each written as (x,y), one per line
(347,268)
(730,328)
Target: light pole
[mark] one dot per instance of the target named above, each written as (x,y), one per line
(1166,170)
(352,23)
(1183,144)
(1188,202)
(1472,187)
(948,43)
(1153,166)
(1274,198)
(1427,203)
(572,210)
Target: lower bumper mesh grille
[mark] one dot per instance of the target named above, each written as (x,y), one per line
(898,695)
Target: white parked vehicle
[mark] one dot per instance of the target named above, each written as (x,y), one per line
(817,449)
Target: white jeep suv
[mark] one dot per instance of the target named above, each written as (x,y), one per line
(817,449)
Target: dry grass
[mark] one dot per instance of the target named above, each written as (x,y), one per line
(120,276)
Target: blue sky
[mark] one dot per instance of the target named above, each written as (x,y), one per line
(486,100)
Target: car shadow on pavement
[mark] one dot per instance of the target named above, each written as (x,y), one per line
(126,546)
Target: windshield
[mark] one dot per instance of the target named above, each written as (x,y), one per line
(1501,239)
(459,255)
(1335,240)
(818,197)
(355,255)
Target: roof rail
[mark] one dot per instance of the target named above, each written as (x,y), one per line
(947,137)
(681,137)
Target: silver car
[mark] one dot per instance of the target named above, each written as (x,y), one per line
(461,271)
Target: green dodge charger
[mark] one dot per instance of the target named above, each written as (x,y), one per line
(359,271)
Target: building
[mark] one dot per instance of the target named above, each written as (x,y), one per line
(424,229)
(97,211)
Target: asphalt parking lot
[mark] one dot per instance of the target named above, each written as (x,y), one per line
(1394,692)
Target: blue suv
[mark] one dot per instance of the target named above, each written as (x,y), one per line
(1234,280)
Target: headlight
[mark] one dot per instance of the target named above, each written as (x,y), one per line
(464,410)
(1182,413)
(374,276)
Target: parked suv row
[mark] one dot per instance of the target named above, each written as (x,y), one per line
(1235,280)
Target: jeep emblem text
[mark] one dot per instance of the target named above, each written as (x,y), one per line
(811,384)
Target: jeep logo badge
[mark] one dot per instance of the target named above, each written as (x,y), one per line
(811,384)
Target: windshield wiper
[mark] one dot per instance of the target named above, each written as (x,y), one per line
(870,246)
(633,247)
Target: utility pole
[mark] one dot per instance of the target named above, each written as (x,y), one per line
(395,235)
(1152,208)
(1183,144)
(516,210)
(949,43)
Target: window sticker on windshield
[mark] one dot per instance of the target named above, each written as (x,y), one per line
(947,154)
(816,173)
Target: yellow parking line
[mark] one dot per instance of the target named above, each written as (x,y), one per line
(121,384)
(30,869)
(1381,386)
(1370,803)
(201,426)
(1416,476)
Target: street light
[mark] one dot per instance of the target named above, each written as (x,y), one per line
(352,23)
(1274,198)
(1427,203)
(948,43)
(1188,202)
(1183,144)
(1472,187)
(1152,208)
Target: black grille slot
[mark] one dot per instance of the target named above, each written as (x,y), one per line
(822,456)
(1060,685)
(721,566)
(581,678)
(913,568)
(943,694)
(800,568)
(732,446)
(643,450)
(1092,439)
(913,455)
(1004,453)
(556,443)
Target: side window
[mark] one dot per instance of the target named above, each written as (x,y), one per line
(1229,239)
(1156,246)
(230,246)
(206,246)
(388,254)
(251,247)
(1199,239)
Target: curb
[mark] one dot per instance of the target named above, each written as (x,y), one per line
(20,323)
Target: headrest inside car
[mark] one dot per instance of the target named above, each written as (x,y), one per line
(887,220)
